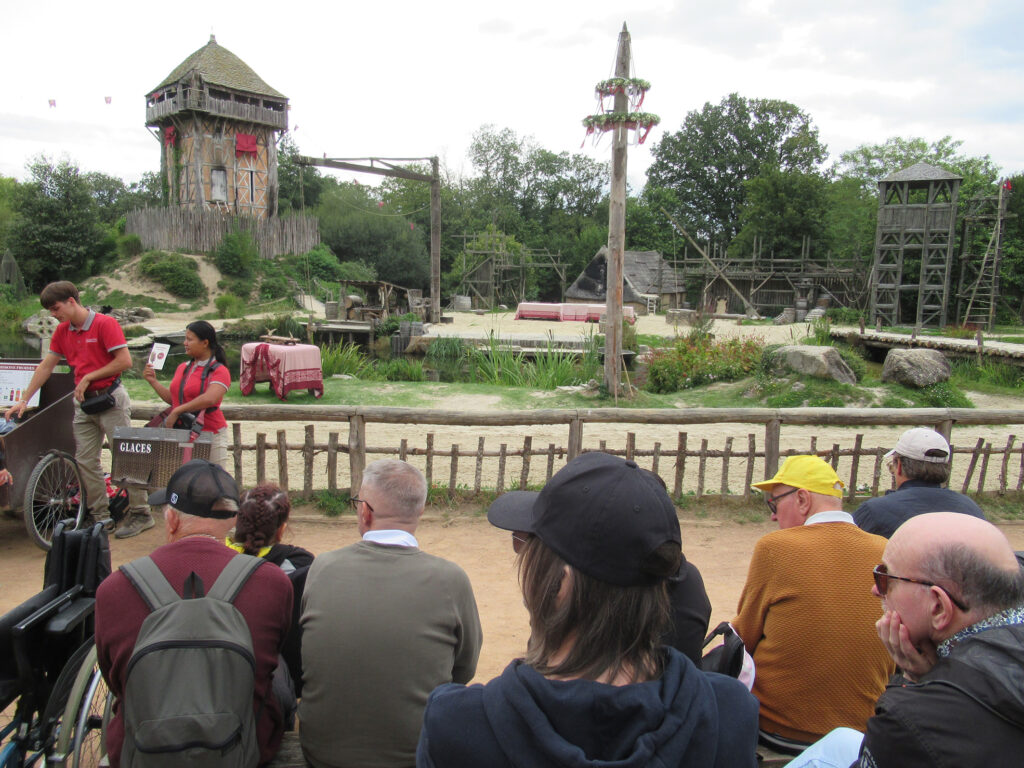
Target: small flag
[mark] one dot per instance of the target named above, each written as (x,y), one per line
(380,203)
(412,225)
(53,102)
(106,99)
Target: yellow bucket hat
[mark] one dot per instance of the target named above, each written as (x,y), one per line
(808,472)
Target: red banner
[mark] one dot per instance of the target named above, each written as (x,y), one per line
(245,144)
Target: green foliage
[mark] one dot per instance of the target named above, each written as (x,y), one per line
(237,255)
(401,369)
(819,332)
(844,315)
(274,288)
(700,328)
(446,349)
(179,275)
(990,375)
(856,362)
(941,395)
(781,209)
(230,305)
(7,208)
(129,246)
(344,359)
(549,368)
(135,331)
(299,187)
(695,361)
(707,162)
(58,233)
(332,503)
(967,331)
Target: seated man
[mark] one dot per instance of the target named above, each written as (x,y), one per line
(201,501)
(920,467)
(383,624)
(806,613)
(953,595)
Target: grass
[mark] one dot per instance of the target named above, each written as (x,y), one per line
(989,377)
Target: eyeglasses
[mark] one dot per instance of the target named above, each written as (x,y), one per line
(357,501)
(882,576)
(521,539)
(773,501)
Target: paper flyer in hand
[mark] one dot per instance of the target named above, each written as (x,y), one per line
(158,355)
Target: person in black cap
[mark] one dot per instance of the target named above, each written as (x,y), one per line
(200,503)
(595,686)
(688,599)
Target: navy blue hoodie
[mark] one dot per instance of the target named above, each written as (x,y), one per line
(686,719)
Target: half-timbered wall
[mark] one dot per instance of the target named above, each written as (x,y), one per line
(204,170)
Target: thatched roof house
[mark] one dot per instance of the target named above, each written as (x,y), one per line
(648,281)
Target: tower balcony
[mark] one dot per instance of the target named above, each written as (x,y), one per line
(254,110)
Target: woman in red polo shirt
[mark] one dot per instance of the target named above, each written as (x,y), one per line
(198,386)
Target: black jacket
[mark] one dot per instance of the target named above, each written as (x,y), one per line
(967,711)
(686,719)
(691,611)
(882,515)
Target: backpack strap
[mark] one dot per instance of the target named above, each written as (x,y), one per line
(149,581)
(233,577)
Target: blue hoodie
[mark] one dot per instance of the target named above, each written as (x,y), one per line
(686,719)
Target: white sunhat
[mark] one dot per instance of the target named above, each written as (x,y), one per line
(922,444)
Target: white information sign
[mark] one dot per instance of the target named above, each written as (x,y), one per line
(14,379)
(158,355)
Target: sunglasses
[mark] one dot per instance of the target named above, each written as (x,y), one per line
(773,501)
(882,577)
(356,502)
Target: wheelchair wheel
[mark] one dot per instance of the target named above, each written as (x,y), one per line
(51,721)
(54,492)
(80,741)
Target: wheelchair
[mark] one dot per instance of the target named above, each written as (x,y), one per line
(53,700)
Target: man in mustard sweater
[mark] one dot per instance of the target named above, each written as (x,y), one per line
(807,614)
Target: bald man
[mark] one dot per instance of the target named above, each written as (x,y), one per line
(952,593)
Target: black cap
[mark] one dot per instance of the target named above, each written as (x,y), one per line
(601,514)
(196,487)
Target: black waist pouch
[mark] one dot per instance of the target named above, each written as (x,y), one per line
(97,403)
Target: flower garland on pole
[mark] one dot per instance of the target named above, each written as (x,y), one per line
(635,89)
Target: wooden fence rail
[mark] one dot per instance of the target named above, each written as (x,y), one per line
(507,457)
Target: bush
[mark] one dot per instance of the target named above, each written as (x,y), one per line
(697,360)
(401,369)
(179,275)
(844,315)
(274,288)
(446,348)
(855,361)
(345,359)
(129,246)
(237,254)
(229,305)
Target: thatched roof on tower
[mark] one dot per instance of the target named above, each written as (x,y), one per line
(921,172)
(218,66)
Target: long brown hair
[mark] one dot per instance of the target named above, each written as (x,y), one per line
(610,628)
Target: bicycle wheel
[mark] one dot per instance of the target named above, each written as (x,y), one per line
(54,492)
(86,715)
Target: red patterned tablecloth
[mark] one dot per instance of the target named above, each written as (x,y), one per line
(286,367)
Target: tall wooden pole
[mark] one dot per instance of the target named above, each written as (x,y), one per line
(616,230)
(435,241)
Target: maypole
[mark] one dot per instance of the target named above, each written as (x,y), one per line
(627,94)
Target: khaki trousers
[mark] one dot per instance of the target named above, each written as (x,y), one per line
(89,430)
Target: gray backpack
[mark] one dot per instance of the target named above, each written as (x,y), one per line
(188,696)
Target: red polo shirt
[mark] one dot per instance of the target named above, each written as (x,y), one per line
(90,347)
(214,420)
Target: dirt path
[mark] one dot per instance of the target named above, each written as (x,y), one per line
(720,550)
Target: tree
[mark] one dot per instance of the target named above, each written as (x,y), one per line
(8,187)
(299,186)
(58,234)
(706,163)
(782,208)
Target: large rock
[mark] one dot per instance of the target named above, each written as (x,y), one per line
(915,367)
(820,362)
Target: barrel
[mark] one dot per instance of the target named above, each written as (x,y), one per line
(462,303)
(331,310)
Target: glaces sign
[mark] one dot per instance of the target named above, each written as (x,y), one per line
(126,447)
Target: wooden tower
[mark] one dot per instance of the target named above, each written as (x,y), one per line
(916,226)
(217,123)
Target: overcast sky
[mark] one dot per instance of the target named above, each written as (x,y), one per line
(406,79)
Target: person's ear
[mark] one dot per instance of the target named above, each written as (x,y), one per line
(942,611)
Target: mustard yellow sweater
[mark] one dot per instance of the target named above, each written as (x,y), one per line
(807,616)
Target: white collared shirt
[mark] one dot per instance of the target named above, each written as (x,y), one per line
(395,538)
(831,516)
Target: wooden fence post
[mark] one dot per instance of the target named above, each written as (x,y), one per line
(974,462)
(307,460)
(551,462)
(429,473)
(1004,467)
(701,465)
(236,451)
(501,469)
(772,431)
(356,452)
(656,457)
(282,460)
(454,474)
(631,446)
(332,462)
(575,446)
(751,452)
(261,458)
(854,465)
(524,474)
(478,475)
(677,487)
(726,455)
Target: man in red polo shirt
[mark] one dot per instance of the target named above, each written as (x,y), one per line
(94,347)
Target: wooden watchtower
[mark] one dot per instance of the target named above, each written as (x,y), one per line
(217,123)
(916,226)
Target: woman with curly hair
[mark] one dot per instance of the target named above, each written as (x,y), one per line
(259,527)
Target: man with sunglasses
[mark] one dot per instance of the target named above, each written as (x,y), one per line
(952,593)
(383,624)
(920,466)
(806,614)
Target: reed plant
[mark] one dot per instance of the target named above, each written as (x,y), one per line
(344,359)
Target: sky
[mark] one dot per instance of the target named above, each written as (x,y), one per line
(413,79)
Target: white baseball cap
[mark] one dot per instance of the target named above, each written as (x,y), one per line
(921,444)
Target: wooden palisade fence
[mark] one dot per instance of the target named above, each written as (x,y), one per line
(989,464)
(201,231)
